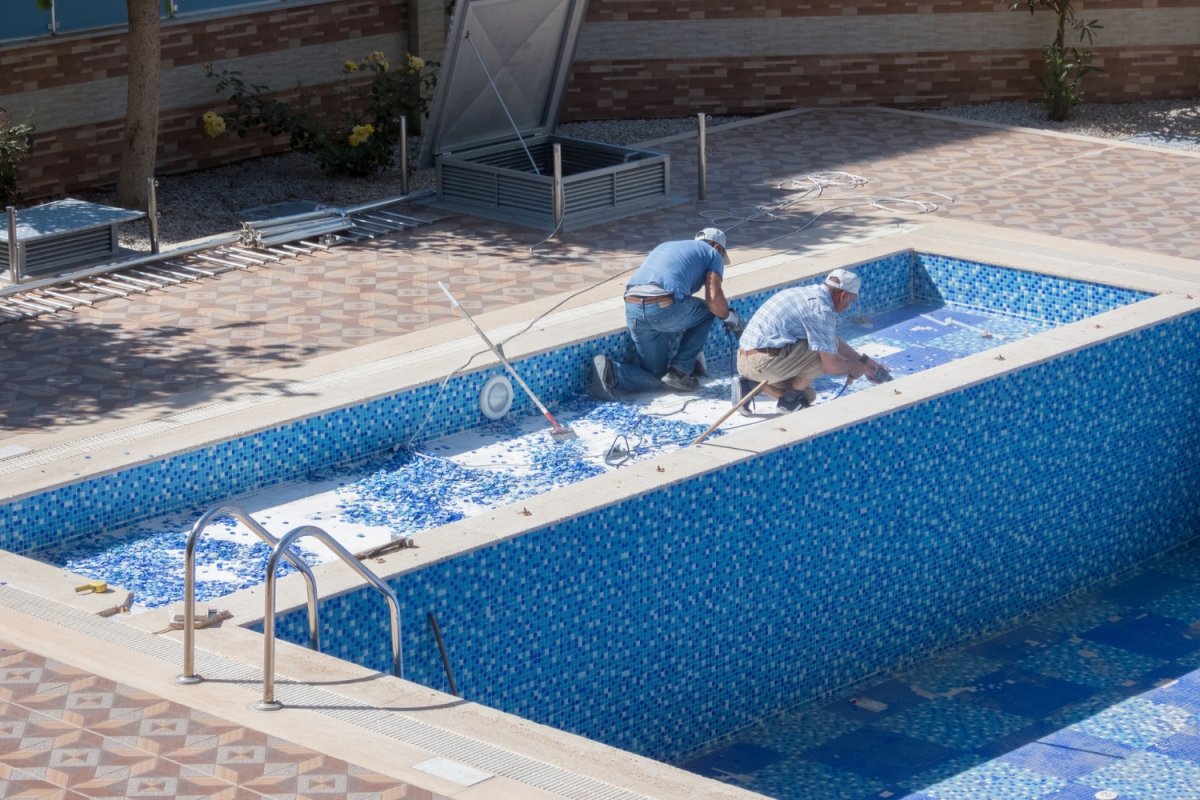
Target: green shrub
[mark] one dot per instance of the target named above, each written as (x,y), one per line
(1064,66)
(359,140)
(16,140)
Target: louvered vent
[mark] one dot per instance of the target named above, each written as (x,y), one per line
(64,235)
(515,183)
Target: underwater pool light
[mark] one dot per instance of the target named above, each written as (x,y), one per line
(496,398)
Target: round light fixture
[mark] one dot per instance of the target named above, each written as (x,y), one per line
(496,398)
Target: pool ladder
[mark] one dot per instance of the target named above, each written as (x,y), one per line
(279,549)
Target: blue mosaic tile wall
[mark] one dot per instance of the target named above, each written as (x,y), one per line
(666,621)
(193,481)
(1011,291)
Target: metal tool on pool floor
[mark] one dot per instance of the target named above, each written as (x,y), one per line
(557,430)
(735,379)
(745,399)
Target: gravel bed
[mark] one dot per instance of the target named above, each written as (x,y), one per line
(215,201)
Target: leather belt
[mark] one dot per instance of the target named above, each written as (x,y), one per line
(657,299)
(766,351)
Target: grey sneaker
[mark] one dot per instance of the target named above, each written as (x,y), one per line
(680,382)
(793,399)
(603,380)
(740,388)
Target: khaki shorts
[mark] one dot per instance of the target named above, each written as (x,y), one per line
(793,361)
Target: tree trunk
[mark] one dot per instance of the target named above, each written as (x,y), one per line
(141,113)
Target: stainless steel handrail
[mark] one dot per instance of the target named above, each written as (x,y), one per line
(189,676)
(559,197)
(268,702)
(388,201)
(14,253)
(152,212)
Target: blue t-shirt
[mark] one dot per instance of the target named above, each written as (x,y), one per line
(679,267)
(805,312)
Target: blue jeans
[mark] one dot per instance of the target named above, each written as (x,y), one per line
(664,338)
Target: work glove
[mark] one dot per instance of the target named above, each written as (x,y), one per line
(734,323)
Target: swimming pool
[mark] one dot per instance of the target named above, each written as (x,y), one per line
(629,610)
(370,504)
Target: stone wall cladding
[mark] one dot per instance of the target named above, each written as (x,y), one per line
(79,58)
(740,86)
(77,156)
(635,10)
(637,58)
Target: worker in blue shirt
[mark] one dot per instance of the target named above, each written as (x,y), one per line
(667,324)
(793,339)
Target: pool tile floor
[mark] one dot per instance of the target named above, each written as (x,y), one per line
(1099,693)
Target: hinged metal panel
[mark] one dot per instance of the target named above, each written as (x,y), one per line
(504,73)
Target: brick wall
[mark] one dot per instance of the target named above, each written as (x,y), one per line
(614,90)
(656,58)
(73,86)
(636,58)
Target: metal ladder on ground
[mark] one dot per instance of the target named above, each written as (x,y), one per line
(257,244)
(279,549)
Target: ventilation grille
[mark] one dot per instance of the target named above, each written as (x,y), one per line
(50,254)
(600,182)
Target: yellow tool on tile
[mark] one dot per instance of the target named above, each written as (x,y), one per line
(94,587)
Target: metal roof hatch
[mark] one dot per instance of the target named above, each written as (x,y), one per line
(490,136)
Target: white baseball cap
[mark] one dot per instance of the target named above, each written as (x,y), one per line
(715,236)
(843,279)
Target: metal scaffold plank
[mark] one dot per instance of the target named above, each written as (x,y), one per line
(259,256)
(104,290)
(51,301)
(162,279)
(75,301)
(213,260)
(321,232)
(196,272)
(34,307)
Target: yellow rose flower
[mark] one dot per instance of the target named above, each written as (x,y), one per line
(350,66)
(214,124)
(378,59)
(360,133)
(415,63)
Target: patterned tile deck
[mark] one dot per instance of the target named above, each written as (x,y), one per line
(65,733)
